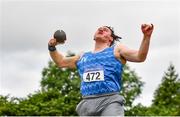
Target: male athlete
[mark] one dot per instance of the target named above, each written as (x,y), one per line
(100,70)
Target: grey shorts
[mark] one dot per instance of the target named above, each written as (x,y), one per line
(108,105)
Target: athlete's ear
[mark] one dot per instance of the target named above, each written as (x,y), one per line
(111,39)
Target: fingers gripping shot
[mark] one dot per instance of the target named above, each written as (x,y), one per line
(59,37)
(101,69)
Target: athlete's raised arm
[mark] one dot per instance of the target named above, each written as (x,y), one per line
(141,54)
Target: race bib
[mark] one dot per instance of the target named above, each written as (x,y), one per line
(93,75)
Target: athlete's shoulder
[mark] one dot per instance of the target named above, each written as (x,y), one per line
(82,54)
(118,52)
(119,46)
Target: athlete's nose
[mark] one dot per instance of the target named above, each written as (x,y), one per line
(100,30)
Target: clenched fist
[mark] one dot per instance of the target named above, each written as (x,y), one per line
(147,29)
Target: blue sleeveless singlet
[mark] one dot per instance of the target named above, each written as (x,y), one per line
(100,72)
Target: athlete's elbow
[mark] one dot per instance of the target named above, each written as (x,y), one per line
(141,58)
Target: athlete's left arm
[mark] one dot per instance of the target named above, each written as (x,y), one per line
(138,55)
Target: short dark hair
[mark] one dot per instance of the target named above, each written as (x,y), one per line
(113,35)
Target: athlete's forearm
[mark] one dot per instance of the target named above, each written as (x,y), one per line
(144,48)
(57,57)
(62,61)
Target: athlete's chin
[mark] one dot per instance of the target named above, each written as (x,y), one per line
(98,37)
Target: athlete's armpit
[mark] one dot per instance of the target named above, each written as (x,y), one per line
(118,56)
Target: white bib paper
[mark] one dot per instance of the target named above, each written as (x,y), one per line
(94,75)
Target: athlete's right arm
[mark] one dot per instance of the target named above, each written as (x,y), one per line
(59,59)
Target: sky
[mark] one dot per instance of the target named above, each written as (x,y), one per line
(27,25)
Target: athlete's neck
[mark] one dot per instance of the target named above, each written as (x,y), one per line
(100,46)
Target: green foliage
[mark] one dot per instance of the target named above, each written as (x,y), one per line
(46,103)
(50,102)
(166,100)
(139,110)
(168,90)
(167,95)
(8,106)
(66,82)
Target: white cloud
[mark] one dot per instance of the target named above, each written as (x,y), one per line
(21,72)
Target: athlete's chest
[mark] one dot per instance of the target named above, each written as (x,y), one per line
(91,58)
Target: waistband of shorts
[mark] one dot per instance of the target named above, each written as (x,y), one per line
(99,95)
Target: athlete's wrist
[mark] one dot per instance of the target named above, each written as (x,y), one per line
(51,48)
(146,37)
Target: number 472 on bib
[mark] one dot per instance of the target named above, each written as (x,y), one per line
(91,76)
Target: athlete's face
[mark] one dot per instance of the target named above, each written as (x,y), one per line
(103,33)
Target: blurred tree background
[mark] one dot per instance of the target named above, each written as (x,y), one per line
(60,94)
